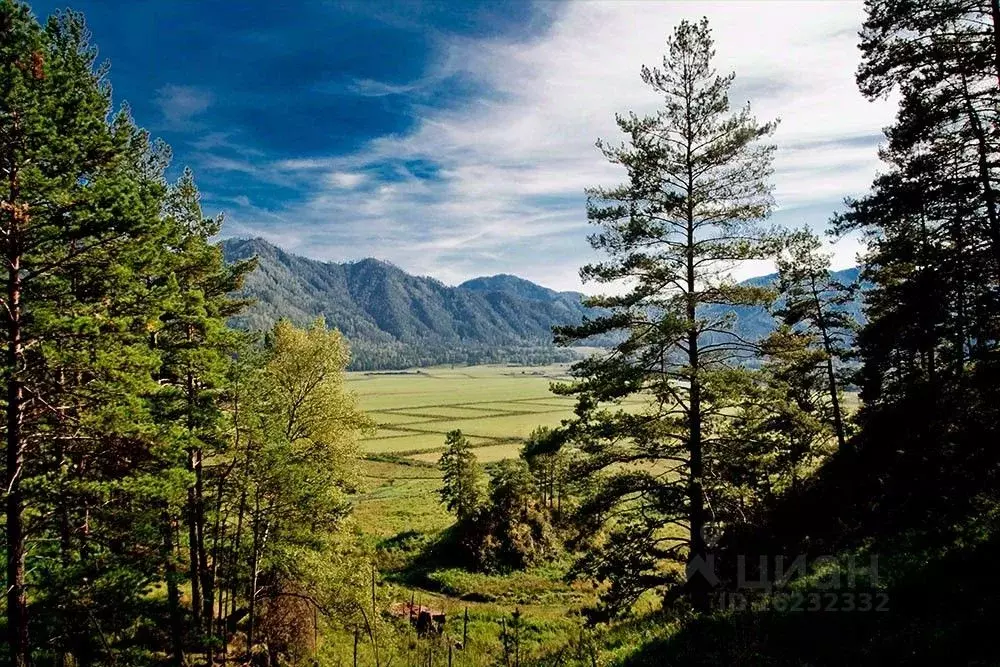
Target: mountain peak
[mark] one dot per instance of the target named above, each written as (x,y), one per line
(390,316)
(510,284)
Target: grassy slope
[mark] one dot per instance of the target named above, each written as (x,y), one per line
(402,518)
(498,406)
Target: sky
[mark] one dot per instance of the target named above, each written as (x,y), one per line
(455,139)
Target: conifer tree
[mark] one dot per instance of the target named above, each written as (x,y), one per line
(929,367)
(812,302)
(549,463)
(194,343)
(80,206)
(696,192)
(462,489)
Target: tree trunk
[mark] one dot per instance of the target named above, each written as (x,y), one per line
(698,551)
(995,12)
(194,560)
(173,594)
(252,616)
(208,602)
(17,601)
(831,375)
(983,151)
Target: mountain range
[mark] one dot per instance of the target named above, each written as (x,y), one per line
(396,320)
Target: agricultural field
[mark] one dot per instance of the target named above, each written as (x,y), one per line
(402,518)
(495,406)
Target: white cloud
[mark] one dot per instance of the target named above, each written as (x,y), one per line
(372,88)
(179,105)
(345,180)
(512,163)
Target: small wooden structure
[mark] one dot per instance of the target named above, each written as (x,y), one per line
(425,619)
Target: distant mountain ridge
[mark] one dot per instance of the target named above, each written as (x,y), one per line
(400,318)
(397,320)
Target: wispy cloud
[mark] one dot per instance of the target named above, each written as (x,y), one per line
(180,105)
(505,170)
(345,180)
(372,88)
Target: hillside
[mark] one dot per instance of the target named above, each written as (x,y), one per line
(397,320)
(394,319)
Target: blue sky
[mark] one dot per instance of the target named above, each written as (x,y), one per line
(455,138)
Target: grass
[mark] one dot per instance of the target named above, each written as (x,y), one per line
(496,406)
(402,519)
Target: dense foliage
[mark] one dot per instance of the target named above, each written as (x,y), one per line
(511,524)
(179,491)
(167,480)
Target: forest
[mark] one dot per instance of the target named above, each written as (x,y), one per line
(181,491)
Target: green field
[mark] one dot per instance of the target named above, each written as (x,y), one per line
(495,406)
(401,515)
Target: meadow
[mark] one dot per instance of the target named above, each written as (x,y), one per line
(495,406)
(401,516)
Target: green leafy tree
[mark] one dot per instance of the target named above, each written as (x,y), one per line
(300,448)
(462,491)
(690,210)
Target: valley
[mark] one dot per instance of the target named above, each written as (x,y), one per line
(496,407)
(223,452)
(401,516)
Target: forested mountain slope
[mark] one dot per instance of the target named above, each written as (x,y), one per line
(394,319)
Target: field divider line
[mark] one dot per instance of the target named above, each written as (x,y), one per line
(409,432)
(496,412)
(473,446)
(465,404)
(440,417)
(416,425)
(424,431)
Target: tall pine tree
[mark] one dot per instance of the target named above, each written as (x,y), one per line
(80,203)
(690,211)
(929,351)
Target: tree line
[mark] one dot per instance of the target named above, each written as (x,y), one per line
(165,478)
(747,446)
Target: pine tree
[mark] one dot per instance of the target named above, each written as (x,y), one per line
(814,303)
(516,531)
(788,426)
(194,343)
(462,489)
(549,464)
(80,207)
(929,363)
(689,212)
